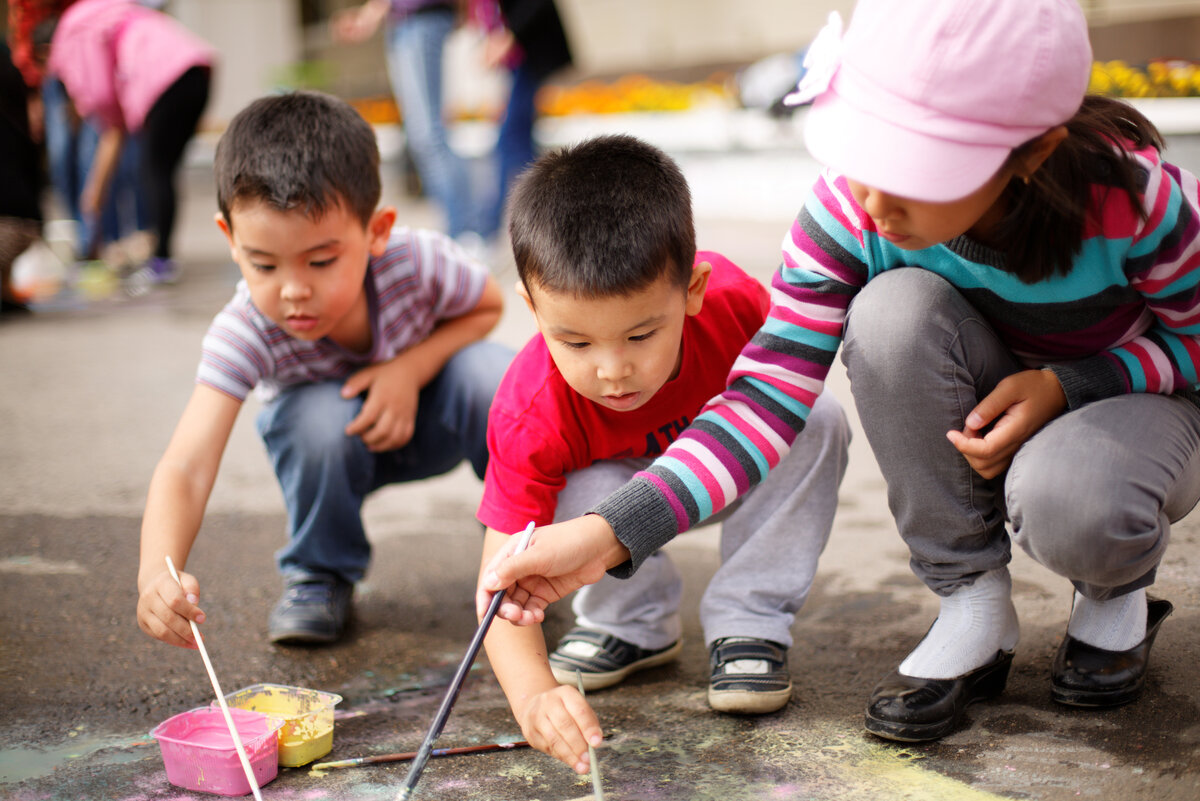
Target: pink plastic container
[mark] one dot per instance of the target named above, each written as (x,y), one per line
(199,754)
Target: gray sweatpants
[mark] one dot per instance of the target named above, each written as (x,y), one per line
(771,539)
(1091,496)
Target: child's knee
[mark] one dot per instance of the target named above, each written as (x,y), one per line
(1091,531)
(478,368)
(827,422)
(311,419)
(894,309)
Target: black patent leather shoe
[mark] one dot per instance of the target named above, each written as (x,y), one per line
(1087,676)
(914,710)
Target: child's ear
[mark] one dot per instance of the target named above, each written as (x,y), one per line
(1040,149)
(524,293)
(223,224)
(696,287)
(379,229)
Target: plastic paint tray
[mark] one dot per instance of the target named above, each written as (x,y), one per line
(307,732)
(199,754)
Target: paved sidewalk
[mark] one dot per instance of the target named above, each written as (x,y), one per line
(89,393)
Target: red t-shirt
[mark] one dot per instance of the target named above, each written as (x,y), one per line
(539,429)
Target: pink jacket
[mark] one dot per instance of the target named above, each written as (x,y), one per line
(116,58)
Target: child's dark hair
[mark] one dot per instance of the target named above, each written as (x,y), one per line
(602,218)
(303,150)
(1043,229)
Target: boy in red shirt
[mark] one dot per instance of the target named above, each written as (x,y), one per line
(636,331)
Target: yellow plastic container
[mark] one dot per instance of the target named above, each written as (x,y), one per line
(307,732)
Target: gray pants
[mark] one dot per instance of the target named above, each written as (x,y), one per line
(1091,496)
(771,539)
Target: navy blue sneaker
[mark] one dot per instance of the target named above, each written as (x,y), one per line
(749,676)
(314,609)
(603,660)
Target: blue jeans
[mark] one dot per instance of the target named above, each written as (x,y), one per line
(325,475)
(69,152)
(1091,496)
(514,141)
(414,62)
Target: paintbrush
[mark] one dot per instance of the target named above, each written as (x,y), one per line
(407,755)
(212,675)
(597,790)
(439,720)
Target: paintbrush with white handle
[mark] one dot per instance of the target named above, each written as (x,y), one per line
(212,675)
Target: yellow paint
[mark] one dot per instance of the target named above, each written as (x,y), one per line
(896,774)
(307,733)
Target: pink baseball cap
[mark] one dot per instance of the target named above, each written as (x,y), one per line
(925,99)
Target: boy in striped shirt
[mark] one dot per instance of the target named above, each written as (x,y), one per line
(363,342)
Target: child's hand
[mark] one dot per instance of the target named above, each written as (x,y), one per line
(560,559)
(389,413)
(353,25)
(164,609)
(560,723)
(1020,405)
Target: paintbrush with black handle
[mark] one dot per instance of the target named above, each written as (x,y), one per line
(443,713)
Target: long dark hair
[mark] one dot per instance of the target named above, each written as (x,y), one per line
(1043,230)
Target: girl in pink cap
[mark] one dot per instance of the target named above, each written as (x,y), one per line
(1009,268)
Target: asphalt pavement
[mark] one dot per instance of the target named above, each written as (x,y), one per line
(90,390)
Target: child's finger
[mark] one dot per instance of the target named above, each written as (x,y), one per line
(356,384)
(362,422)
(585,718)
(994,404)
(506,568)
(156,618)
(567,744)
(976,447)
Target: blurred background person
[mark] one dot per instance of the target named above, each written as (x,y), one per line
(70,143)
(526,37)
(20,180)
(415,36)
(130,69)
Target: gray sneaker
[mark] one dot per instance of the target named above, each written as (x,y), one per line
(314,608)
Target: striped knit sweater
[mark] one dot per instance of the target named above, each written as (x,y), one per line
(1126,319)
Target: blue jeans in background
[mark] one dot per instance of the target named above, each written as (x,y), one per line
(69,151)
(325,475)
(414,59)
(514,142)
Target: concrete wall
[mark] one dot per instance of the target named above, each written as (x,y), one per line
(258,41)
(644,35)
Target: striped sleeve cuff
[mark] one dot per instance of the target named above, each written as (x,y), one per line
(1090,379)
(642,520)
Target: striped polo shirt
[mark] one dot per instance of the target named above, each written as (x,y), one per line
(421,279)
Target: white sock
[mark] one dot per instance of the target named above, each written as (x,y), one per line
(975,622)
(1117,624)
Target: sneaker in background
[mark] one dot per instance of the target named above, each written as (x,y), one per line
(155,271)
(315,608)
